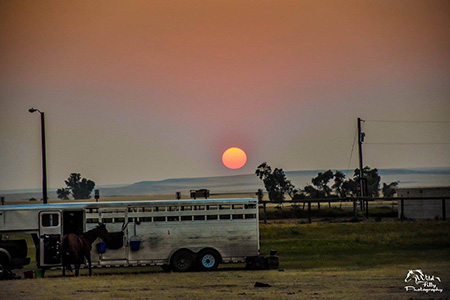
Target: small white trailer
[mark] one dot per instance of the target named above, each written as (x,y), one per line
(177,234)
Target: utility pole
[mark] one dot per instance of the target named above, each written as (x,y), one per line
(361,136)
(44,160)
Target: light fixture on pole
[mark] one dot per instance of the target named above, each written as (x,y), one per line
(44,162)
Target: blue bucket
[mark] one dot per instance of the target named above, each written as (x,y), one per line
(135,243)
(101,247)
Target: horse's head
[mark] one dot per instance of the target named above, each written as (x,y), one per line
(101,231)
(409,275)
(414,274)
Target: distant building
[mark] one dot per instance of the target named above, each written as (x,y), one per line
(426,208)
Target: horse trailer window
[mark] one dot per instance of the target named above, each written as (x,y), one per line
(92,220)
(118,220)
(50,220)
(172,208)
(135,209)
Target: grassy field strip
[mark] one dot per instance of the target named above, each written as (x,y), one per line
(357,244)
(319,261)
(385,282)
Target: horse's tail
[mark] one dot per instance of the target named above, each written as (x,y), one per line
(66,256)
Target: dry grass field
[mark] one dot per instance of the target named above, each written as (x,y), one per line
(385,282)
(368,260)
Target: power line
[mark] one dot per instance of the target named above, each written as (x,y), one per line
(399,121)
(406,143)
(351,153)
(407,122)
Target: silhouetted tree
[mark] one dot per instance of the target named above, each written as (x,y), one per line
(80,188)
(348,188)
(321,182)
(312,192)
(63,193)
(389,189)
(275,182)
(298,194)
(338,182)
(372,179)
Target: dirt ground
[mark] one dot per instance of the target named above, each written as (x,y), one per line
(386,282)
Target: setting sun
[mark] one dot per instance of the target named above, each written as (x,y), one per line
(234,158)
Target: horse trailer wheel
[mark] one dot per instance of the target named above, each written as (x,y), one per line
(2,270)
(208,260)
(182,261)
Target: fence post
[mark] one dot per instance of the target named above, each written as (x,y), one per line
(402,207)
(265,212)
(309,212)
(355,211)
(367,209)
(444,217)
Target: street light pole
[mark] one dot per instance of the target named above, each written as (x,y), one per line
(361,136)
(44,160)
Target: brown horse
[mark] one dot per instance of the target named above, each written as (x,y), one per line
(76,247)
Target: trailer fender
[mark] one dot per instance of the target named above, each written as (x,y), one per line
(5,257)
(5,262)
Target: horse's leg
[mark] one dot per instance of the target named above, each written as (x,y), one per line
(77,269)
(64,270)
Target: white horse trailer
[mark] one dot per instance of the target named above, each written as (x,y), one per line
(177,234)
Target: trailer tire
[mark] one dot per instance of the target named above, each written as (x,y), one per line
(182,260)
(4,266)
(208,260)
(2,269)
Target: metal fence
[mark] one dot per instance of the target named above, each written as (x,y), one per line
(364,204)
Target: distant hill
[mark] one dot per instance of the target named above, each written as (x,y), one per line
(251,183)
(423,177)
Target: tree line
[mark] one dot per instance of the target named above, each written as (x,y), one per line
(327,184)
(79,188)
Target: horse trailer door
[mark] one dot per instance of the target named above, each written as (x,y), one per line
(50,230)
(116,221)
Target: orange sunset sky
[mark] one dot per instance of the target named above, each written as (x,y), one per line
(148,90)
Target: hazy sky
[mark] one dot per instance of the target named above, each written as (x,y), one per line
(148,90)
